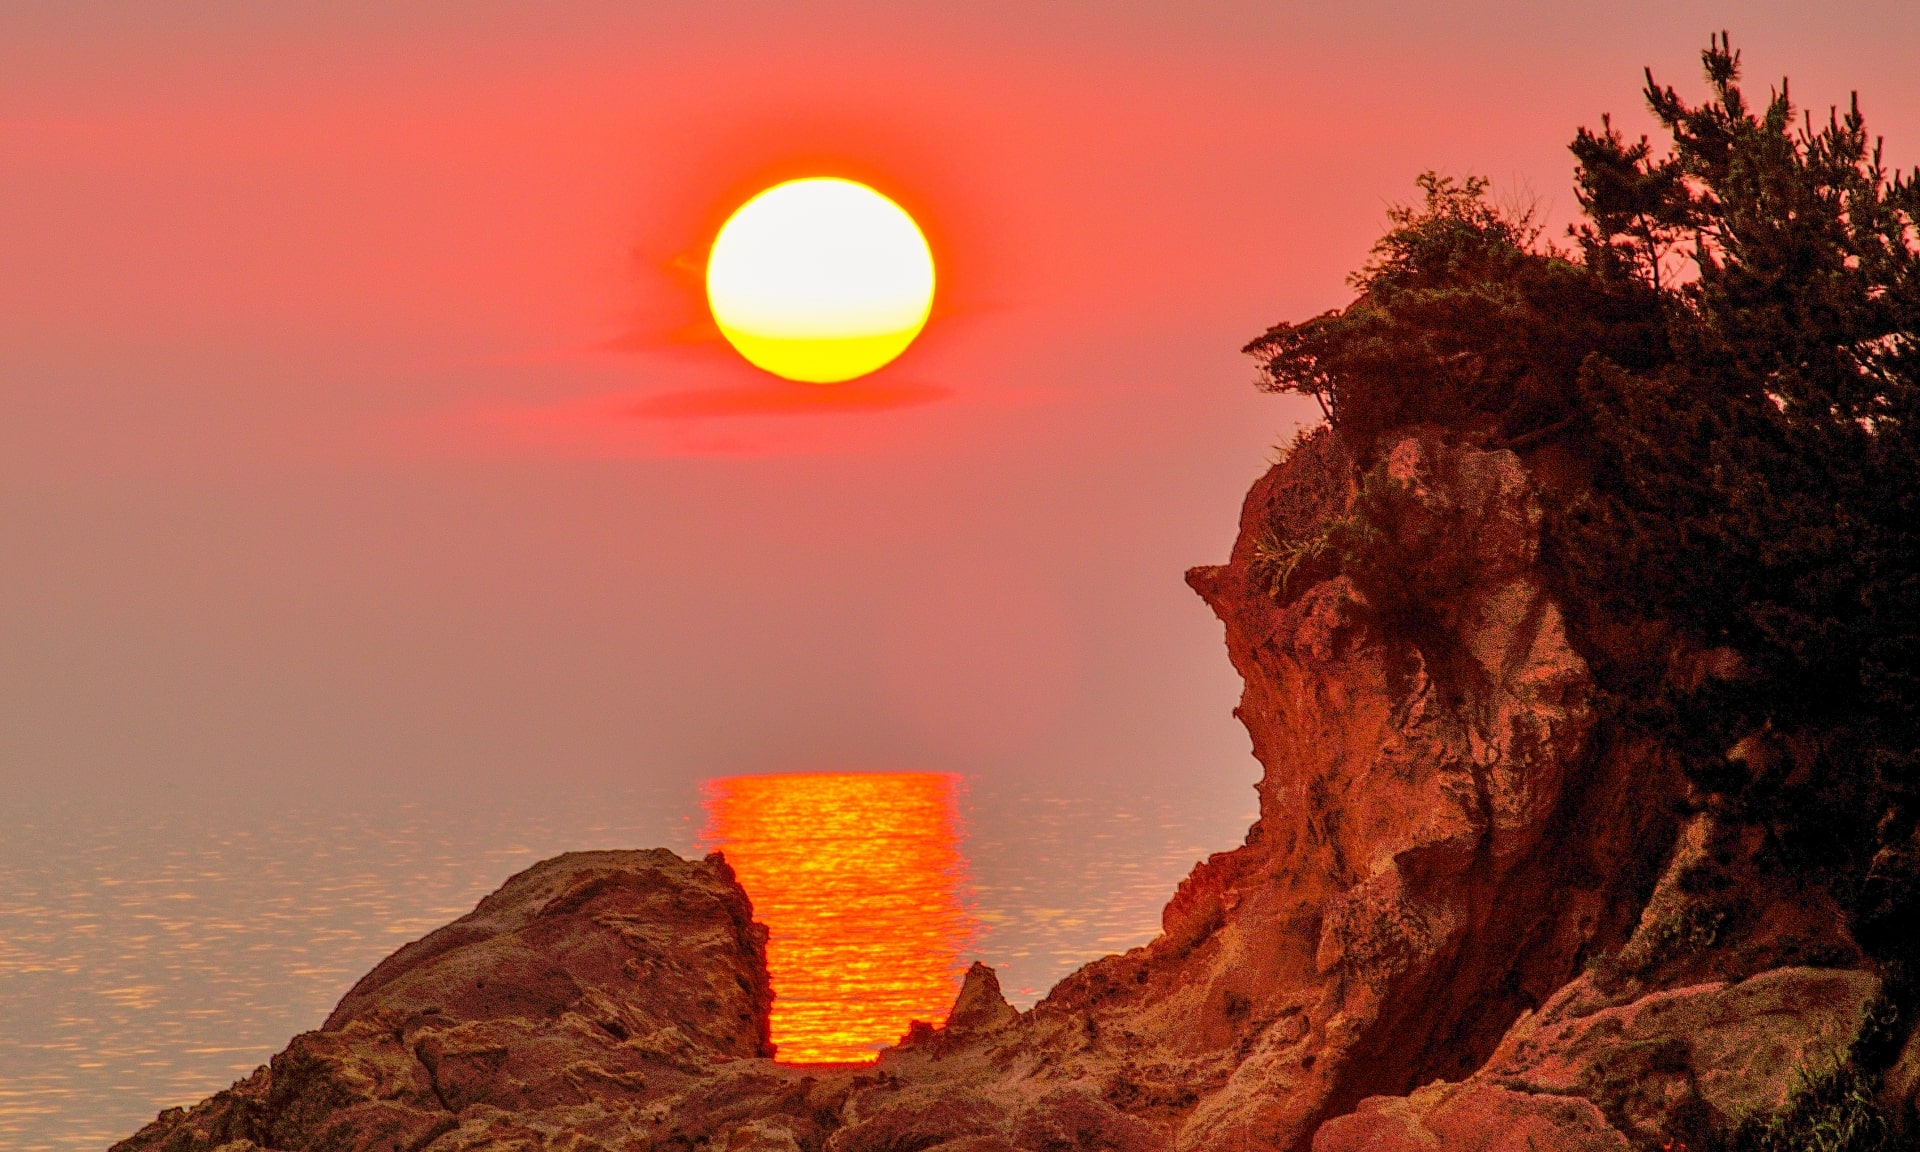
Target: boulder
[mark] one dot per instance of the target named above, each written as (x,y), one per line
(1688,1060)
(638,944)
(1471,1118)
(585,991)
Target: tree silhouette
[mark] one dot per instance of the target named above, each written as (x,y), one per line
(1723,374)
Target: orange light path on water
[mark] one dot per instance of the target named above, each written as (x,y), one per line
(860,879)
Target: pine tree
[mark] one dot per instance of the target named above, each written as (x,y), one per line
(1726,368)
(1761,489)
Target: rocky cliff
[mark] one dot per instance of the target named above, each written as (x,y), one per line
(1469,916)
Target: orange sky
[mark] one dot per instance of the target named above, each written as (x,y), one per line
(361,420)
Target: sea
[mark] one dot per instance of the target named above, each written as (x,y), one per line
(155,949)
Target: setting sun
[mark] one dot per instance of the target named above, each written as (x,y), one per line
(820,280)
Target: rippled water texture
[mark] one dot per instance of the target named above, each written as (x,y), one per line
(151,953)
(862,886)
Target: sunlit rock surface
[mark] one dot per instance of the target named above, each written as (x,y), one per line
(1440,845)
(1466,919)
(587,990)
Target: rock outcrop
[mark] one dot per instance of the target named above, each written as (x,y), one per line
(1440,845)
(575,999)
(1468,917)
(1582,1074)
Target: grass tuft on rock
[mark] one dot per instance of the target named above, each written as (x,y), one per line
(1835,1111)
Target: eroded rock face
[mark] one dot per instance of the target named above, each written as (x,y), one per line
(1438,838)
(1687,1029)
(1457,880)
(1440,845)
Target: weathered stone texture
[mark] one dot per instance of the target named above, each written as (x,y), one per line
(1456,880)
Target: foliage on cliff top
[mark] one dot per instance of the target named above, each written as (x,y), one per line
(1719,381)
(1465,319)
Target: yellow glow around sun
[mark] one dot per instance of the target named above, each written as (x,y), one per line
(820,280)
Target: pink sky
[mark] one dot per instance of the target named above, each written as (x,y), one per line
(360,420)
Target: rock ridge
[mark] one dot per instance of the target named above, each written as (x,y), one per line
(1470,915)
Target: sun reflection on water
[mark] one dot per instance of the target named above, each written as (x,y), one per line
(861,880)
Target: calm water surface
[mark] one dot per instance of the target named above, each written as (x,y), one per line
(861,880)
(151,953)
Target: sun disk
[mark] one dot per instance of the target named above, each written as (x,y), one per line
(820,280)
